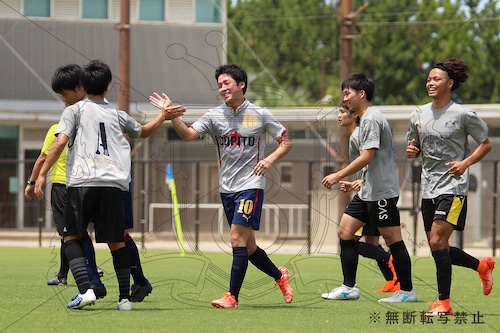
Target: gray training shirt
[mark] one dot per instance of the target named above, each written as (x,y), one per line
(441,135)
(240,139)
(380,176)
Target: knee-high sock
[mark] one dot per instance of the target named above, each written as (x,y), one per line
(378,253)
(64,266)
(135,262)
(260,260)
(402,264)
(77,264)
(443,272)
(349,260)
(461,258)
(238,270)
(89,252)
(121,263)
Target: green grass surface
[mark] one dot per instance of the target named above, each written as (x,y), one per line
(184,287)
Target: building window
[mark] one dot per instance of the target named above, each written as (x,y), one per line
(38,8)
(286,173)
(95,9)
(152,10)
(208,11)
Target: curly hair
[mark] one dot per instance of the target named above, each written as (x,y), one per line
(457,70)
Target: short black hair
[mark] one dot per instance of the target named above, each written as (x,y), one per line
(235,71)
(66,77)
(358,82)
(96,77)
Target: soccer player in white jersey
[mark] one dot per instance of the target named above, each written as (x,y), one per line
(98,170)
(376,202)
(239,129)
(438,132)
(66,82)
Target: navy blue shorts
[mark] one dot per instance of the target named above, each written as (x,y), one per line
(243,208)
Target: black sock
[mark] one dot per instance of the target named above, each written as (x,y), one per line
(135,262)
(461,258)
(349,260)
(238,270)
(77,264)
(260,260)
(378,253)
(402,264)
(443,272)
(64,267)
(121,263)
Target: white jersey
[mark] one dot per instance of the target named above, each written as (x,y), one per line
(98,153)
(240,139)
(441,135)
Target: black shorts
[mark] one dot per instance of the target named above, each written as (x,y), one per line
(367,230)
(101,205)
(378,214)
(447,207)
(58,195)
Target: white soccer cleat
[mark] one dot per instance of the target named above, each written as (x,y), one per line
(124,305)
(342,293)
(81,300)
(401,296)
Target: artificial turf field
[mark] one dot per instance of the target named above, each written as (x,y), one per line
(185,285)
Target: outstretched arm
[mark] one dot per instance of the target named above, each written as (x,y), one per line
(186,133)
(167,112)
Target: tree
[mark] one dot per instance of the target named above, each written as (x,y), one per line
(400,40)
(483,85)
(395,42)
(280,43)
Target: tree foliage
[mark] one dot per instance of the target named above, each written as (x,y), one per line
(281,43)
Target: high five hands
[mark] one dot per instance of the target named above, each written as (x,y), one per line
(164,103)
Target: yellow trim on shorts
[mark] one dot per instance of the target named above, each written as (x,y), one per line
(359,233)
(455,209)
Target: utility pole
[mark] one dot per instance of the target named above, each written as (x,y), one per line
(345,69)
(346,39)
(346,35)
(124,56)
